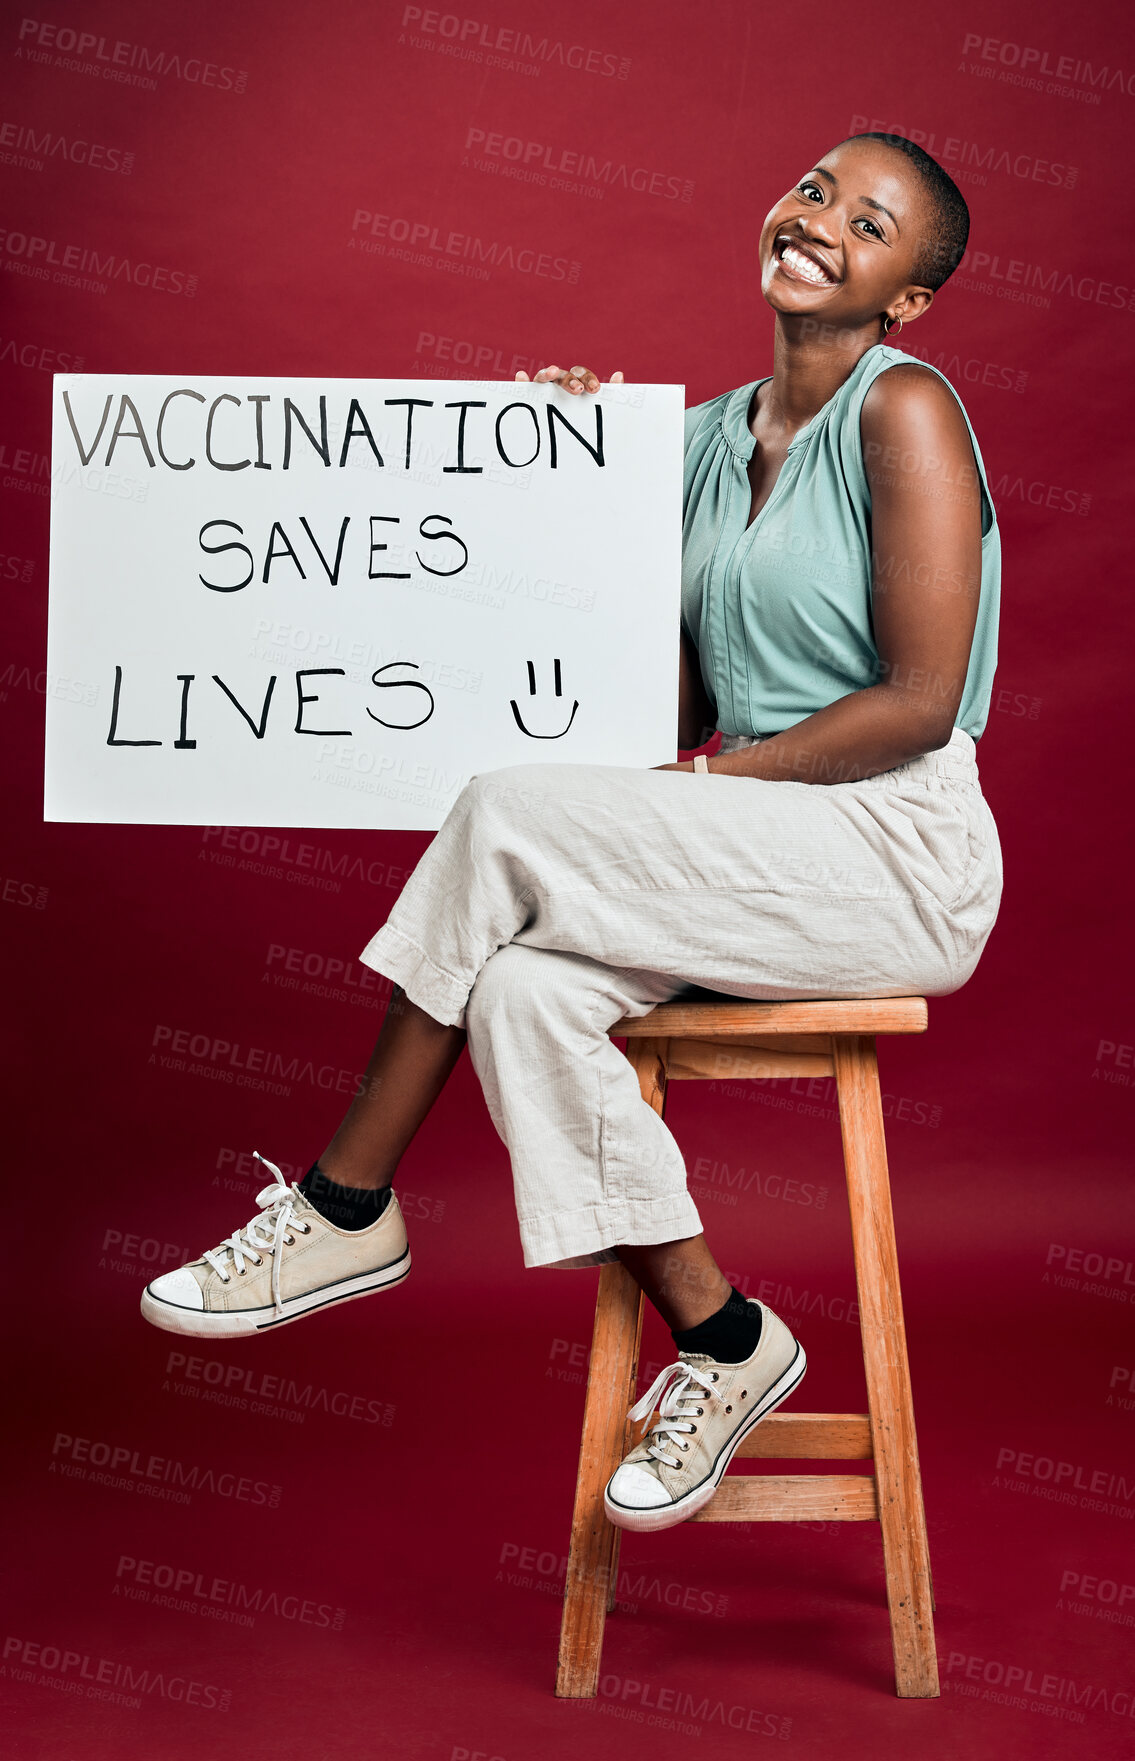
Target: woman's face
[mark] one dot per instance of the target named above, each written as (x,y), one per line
(842,245)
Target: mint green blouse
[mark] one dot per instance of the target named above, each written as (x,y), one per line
(780,611)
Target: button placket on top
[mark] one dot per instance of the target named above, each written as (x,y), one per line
(727,588)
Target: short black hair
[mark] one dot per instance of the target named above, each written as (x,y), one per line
(945,246)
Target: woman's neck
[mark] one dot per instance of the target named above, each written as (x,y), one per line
(810,362)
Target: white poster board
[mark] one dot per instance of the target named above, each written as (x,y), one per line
(330,602)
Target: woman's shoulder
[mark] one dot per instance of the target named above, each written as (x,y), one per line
(908,383)
(905,398)
(910,411)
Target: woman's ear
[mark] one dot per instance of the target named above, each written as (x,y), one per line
(913,303)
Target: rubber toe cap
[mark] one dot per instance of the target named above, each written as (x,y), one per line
(635,1489)
(180,1289)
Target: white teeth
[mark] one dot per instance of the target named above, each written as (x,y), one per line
(804,266)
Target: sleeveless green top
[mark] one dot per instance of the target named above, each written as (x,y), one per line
(780,611)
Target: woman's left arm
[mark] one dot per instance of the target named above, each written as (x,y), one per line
(926,567)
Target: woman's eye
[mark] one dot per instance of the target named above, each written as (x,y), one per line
(876,230)
(810,189)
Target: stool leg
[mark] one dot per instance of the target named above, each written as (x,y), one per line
(593,1557)
(897,1477)
(613,1586)
(648,1060)
(593,1554)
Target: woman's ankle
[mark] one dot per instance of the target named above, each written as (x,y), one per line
(343,1203)
(348,1169)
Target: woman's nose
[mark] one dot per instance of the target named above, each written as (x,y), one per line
(822,226)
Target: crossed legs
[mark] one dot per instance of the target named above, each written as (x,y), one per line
(412,1060)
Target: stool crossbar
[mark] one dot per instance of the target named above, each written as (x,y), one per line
(730,1041)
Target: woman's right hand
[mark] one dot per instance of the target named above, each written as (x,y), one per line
(573,379)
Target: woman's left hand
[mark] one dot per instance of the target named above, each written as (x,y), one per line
(573,379)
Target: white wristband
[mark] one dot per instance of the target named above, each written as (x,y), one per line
(701,762)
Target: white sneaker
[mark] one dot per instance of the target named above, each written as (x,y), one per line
(286,1263)
(705,1408)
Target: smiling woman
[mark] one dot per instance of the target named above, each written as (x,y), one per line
(847,590)
(840,591)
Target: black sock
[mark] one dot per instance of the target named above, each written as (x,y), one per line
(729,1336)
(348,1207)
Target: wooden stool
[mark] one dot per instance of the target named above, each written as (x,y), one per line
(725,1041)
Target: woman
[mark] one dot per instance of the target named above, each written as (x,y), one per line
(840,591)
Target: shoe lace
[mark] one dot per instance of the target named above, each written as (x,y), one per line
(677,1392)
(272,1224)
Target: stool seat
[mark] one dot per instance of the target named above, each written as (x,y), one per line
(731,1015)
(702,1036)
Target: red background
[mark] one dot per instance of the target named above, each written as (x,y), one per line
(1007,1122)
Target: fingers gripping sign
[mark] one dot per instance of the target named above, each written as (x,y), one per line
(573,379)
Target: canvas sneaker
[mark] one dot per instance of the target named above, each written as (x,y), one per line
(286,1263)
(705,1408)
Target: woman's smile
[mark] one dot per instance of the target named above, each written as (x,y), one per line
(801,262)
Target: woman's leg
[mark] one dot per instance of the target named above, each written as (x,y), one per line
(556,898)
(593,1167)
(754,888)
(681,1279)
(412,1060)
(751,888)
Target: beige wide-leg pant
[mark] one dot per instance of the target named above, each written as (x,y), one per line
(557,898)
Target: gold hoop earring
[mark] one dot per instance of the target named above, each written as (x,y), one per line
(889,325)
